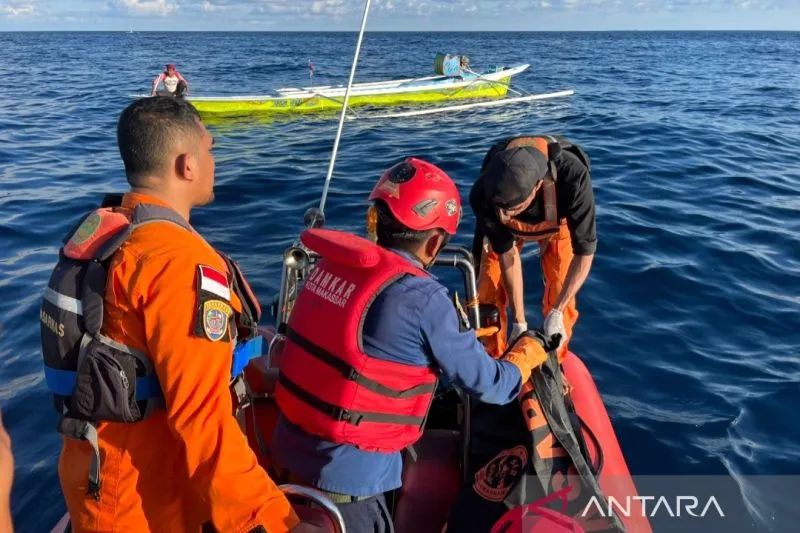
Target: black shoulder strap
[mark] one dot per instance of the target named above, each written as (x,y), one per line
(251,309)
(145,213)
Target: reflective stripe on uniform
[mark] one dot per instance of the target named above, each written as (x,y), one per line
(63,302)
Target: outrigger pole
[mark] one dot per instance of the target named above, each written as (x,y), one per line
(343,113)
(495,103)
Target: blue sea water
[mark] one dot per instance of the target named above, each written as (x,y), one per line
(690,321)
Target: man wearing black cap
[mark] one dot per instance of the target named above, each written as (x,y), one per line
(534,189)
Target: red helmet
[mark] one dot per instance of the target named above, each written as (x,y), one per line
(420,196)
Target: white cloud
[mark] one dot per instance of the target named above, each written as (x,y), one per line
(395,14)
(346,9)
(18,10)
(150,7)
(340,8)
(335,8)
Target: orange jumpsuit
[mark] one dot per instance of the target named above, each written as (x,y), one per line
(189,464)
(556,255)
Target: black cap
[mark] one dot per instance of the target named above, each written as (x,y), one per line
(511,175)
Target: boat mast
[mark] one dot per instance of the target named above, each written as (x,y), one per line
(344,111)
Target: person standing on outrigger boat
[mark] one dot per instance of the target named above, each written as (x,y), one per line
(139,323)
(172,80)
(533,189)
(369,335)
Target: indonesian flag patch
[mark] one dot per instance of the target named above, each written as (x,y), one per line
(213,311)
(214,281)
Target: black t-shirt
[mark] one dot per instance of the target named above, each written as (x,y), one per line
(574,201)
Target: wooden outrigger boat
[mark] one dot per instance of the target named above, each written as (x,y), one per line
(432,89)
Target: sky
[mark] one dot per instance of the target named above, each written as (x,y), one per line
(399,15)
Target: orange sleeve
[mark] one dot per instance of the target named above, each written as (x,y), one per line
(194,373)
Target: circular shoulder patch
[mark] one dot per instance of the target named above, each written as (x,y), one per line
(216,315)
(86,229)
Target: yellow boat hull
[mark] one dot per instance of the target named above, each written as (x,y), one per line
(315,104)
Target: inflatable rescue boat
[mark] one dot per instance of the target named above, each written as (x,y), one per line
(437,468)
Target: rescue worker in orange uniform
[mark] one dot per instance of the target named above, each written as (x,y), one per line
(534,189)
(6,477)
(171,296)
(531,189)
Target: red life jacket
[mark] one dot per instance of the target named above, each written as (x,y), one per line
(327,385)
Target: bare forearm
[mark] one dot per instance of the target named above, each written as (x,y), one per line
(578,271)
(511,265)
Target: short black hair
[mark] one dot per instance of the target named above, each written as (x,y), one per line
(392,233)
(148,130)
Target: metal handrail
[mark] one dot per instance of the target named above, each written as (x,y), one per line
(318,498)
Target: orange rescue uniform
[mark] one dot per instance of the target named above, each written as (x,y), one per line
(555,255)
(189,464)
(557,231)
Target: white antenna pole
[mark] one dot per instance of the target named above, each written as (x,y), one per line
(344,110)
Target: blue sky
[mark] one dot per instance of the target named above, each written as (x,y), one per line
(403,15)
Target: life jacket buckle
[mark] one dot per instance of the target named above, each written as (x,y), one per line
(93,490)
(340,415)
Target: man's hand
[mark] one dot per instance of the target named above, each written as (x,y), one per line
(554,324)
(526,353)
(517,329)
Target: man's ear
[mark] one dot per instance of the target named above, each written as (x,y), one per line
(185,166)
(433,244)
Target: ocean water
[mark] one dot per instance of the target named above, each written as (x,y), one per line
(690,321)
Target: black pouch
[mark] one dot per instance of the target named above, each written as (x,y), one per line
(490,315)
(105,387)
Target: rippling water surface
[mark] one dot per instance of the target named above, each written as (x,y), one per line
(690,321)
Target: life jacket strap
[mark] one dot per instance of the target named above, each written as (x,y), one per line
(62,383)
(251,309)
(346,415)
(352,374)
(85,430)
(145,213)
